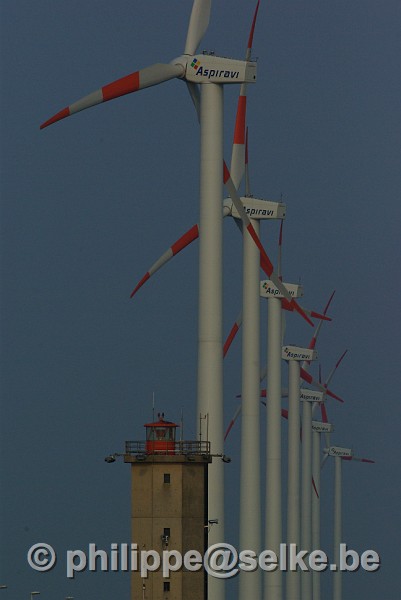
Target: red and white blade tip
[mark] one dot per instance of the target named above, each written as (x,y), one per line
(186,239)
(128,84)
(233,332)
(140,284)
(125,85)
(329,302)
(251,34)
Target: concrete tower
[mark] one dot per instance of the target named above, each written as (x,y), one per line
(168,508)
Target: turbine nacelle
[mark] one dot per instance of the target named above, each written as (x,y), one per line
(269,290)
(258,209)
(338,451)
(321,427)
(208,68)
(311,396)
(297,353)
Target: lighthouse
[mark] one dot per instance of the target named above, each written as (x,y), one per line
(169,492)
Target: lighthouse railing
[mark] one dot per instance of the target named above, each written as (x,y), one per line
(187,447)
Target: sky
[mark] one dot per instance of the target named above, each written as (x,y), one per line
(90,203)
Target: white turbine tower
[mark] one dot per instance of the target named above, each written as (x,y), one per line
(319,428)
(294,355)
(339,454)
(273,587)
(250,501)
(307,475)
(273,502)
(250,522)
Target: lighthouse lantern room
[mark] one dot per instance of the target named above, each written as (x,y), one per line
(160,436)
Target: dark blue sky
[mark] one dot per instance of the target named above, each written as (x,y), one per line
(90,203)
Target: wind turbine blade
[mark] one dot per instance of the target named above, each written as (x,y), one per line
(232,334)
(279,252)
(198,24)
(251,33)
(283,327)
(231,424)
(364,460)
(313,341)
(309,379)
(284,414)
(314,487)
(153,75)
(324,460)
(292,305)
(322,404)
(324,412)
(335,368)
(325,420)
(247,182)
(284,302)
(194,92)
(326,308)
(317,315)
(186,239)
(239,151)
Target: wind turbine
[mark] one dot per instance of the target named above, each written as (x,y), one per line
(212,73)
(339,454)
(307,474)
(294,357)
(273,499)
(319,428)
(250,501)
